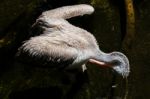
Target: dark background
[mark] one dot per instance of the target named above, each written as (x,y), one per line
(108,24)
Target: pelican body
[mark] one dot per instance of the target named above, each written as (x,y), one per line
(63,45)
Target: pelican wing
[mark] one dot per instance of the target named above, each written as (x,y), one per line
(57,17)
(57,45)
(40,51)
(67,12)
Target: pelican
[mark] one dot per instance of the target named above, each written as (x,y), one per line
(63,45)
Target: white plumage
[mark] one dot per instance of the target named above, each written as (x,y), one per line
(64,44)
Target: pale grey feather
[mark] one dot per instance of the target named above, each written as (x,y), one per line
(64,44)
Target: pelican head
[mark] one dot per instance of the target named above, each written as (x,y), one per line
(115,60)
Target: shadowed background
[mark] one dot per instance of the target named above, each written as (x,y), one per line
(108,24)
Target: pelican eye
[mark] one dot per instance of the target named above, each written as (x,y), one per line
(116,62)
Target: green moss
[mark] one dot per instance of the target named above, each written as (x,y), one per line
(100,3)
